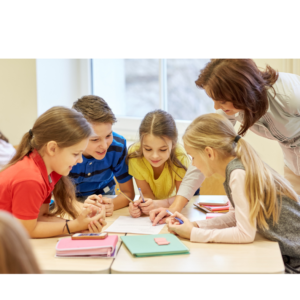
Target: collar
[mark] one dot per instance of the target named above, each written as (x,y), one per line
(36,157)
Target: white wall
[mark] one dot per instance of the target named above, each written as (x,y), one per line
(58,83)
(18,97)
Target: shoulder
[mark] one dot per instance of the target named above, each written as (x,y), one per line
(118,140)
(287,88)
(237,176)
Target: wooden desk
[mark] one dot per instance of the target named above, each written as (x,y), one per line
(44,250)
(261,256)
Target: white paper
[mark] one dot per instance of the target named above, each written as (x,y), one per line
(141,225)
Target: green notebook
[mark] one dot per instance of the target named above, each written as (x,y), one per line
(144,245)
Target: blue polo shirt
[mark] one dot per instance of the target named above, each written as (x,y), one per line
(94,176)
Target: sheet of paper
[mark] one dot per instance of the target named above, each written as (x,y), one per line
(128,224)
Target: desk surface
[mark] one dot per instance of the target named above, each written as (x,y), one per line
(44,250)
(261,256)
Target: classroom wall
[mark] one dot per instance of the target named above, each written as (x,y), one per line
(18,97)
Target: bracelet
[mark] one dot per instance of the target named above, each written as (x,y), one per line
(66,225)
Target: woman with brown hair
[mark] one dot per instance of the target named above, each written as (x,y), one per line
(264,101)
(16,256)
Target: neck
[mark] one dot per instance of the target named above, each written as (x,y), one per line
(221,168)
(157,170)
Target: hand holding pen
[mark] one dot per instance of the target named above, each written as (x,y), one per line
(134,210)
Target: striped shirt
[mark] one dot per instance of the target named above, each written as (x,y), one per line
(94,176)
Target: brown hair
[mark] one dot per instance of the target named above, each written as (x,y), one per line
(95,109)
(262,184)
(240,82)
(66,127)
(160,124)
(16,255)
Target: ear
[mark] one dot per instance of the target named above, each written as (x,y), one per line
(210,152)
(51,148)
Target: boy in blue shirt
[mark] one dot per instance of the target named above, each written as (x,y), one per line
(103,159)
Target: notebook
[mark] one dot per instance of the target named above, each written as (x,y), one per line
(145,245)
(70,248)
(213,215)
(213,200)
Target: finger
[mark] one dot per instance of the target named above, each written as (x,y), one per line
(147,202)
(103,222)
(153,213)
(98,226)
(180,216)
(107,201)
(159,217)
(162,221)
(137,202)
(94,228)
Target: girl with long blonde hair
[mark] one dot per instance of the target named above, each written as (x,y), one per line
(260,198)
(41,166)
(16,255)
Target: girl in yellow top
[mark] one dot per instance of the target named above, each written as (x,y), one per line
(157,162)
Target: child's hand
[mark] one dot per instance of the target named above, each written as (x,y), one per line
(109,205)
(96,226)
(147,206)
(134,210)
(184,230)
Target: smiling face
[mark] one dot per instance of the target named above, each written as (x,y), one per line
(100,141)
(226,106)
(156,150)
(63,159)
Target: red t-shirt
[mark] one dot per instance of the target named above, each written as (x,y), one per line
(25,186)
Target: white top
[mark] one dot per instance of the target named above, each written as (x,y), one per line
(234,226)
(7,151)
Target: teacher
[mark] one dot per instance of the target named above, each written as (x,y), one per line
(264,101)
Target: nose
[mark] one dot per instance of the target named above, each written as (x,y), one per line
(80,160)
(103,145)
(155,155)
(216,105)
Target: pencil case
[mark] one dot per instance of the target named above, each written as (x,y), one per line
(103,248)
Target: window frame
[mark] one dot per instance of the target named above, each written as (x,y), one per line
(128,126)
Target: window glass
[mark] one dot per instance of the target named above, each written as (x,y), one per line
(185,100)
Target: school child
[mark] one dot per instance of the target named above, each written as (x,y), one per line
(261,199)
(103,159)
(16,255)
(7,151)
(41,165)
(158,163)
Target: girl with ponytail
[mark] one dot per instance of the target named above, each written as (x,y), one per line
(260,198)
(41,165)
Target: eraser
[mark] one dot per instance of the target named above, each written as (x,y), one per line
(160,239)
(163,243)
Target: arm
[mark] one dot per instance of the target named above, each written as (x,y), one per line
(43,217)
(127,188)
(242,231)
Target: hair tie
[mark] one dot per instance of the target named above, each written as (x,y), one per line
(236,139)
(30,132)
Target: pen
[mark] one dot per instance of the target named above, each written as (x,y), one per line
(142,195)
(171,214)
(125,195)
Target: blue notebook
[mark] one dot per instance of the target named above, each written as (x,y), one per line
(144,245)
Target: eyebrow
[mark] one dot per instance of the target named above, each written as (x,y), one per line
(159,147)
(97,136)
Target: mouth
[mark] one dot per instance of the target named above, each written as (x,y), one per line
(155,161)
(70,168)
(225,111)
(101,153)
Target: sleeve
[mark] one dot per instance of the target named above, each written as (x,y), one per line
(191,182)
(180,172)
(230,118)
(121,169)
(227,230)
(27,199)
(134,171)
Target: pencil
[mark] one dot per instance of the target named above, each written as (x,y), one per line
(125,195)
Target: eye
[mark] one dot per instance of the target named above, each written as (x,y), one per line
(147,149)
(108,136)
(223,102)
(75,154)
(94,140)
(163,150)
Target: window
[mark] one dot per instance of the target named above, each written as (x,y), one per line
(133,87)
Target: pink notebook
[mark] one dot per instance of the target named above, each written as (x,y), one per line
(103,248)
(213,215)
(214,208)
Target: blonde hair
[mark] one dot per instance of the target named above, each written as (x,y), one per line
(262,185)
(16,255)
(160,124)
(66,127)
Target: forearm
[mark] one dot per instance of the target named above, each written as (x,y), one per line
(46,218)
(178,204)
(120,201)
(161,203)
(51,229)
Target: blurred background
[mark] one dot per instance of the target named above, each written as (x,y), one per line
(132,87)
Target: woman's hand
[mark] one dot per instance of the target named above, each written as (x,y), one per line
(184,230)
(147,206)
(134,209)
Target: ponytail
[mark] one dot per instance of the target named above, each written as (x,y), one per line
(262,183)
